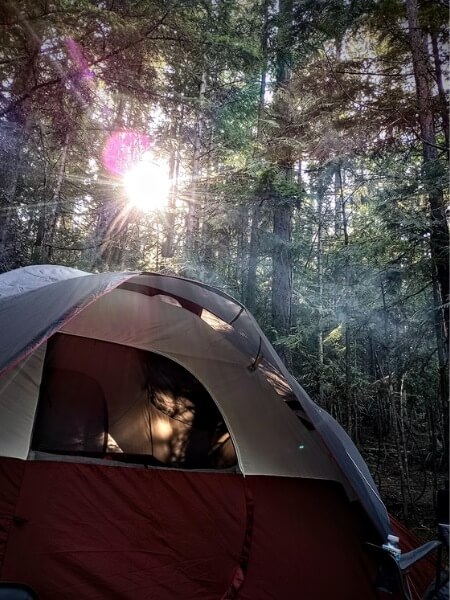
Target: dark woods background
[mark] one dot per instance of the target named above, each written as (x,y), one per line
(306,146)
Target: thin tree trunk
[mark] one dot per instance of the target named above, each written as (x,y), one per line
(442,352)
(337,202)
(207,229)
(46,249)
(264,51)
(193,216)
(320,197)
(281,276)
(168,250)
(40,227)
(348,393)
(255,217)
(394,411)
(282,214)
(250,297)
(402,427)
(441,90)
(398,445)
(432,433)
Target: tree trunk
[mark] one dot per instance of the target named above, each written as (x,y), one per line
(264,51)
(337,201)
(442,352)
(440,85)
(320,198)
(40,227)
(16,133)
(207,237)
(168,250)
(253,254)
(348,392)
(255,217)
(193,216)
(281,276)
(282,214)
(439,235)
(49,214)
(398,446)
(403,415)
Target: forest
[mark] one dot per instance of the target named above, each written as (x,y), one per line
(293,153)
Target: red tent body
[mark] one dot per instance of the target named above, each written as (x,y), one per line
(86,531)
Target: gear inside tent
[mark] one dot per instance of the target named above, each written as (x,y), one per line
(153,445)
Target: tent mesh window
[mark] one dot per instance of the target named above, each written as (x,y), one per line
(104,400)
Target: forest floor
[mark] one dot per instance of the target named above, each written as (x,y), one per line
(420,511)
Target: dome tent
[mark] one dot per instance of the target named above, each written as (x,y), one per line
(153,445)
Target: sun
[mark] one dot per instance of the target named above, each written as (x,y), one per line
(147,185)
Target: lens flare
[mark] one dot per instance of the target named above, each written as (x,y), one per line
(124,149)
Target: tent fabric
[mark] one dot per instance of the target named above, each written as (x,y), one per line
(179,535)
(15,283)
(19,391)
(29,318)
(11,477)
